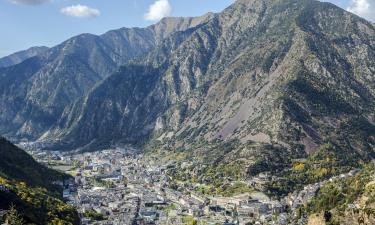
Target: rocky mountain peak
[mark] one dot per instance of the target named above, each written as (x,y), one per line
(170,25)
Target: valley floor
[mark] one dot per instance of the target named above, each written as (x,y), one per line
(118,187)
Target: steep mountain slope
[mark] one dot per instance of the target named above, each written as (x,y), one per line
(21,56)
(35,92)
(17,165)
(29,187)
(287,73)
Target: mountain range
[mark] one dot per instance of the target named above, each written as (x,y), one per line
(276,78)
(35,92)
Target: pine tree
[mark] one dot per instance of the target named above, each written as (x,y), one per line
(13,217)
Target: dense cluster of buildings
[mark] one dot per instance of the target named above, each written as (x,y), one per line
(125,188)
(118,187)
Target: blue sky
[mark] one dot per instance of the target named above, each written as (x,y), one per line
(26,23)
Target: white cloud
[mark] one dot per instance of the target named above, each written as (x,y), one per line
(158,10)
(363,8)
(80,11)
(29,2)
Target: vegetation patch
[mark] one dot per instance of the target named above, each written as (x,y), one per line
(328,161)
(36,205)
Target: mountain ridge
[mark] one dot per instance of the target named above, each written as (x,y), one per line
(68,71)
(21,56)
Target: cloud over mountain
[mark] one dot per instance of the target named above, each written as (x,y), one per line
(158,10)
(80,11)
(363,8)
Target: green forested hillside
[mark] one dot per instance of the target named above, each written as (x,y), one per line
(347,200)
(28,186)
(16,164)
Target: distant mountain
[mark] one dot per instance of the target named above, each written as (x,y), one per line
(21,56)
(34,93)
(30,187)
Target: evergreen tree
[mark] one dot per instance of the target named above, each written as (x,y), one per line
(13,217)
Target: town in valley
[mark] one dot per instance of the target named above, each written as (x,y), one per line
(123,186)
